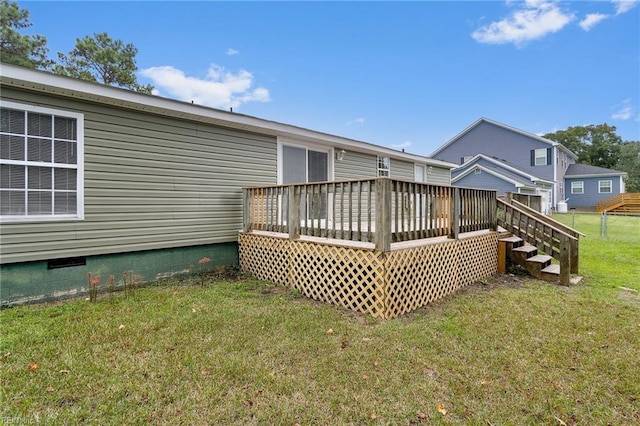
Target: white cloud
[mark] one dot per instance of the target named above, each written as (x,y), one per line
(403,145)
(532,20)
(591,20)
(219,89)
(359,120)
(623,6)
(625,111)
(231,52)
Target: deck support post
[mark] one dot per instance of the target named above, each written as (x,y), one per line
(502,257)
(293,215)
(383,215)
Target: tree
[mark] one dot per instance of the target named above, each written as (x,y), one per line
(104,60)
(630,162)
(18,49)
(596,145)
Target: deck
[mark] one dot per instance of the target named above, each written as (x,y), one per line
(379,246)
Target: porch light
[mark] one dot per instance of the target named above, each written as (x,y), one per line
(340,154)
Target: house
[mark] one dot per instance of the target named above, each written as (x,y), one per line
(588,185)
(542,163)
(482,171)
(103,182)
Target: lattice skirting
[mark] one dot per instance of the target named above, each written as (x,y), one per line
(382,285)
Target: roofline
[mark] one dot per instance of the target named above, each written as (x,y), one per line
(504,126)
(42,81)
(625,174)
(507,166)
(491,172)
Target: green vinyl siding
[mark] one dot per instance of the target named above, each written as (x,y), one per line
(402,170)
(151,182)
(439,176)
(356,165)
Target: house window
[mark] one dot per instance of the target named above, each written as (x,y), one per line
(41,163)
(466,158)
(561,189)
(541,157)
(605,186)
(577,187)
(384,166)
(477,171)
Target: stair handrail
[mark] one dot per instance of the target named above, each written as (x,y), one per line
(609,202)
(569,230)
(545,236)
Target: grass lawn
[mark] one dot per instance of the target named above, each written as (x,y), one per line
(509,352)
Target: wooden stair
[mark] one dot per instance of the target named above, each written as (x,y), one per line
(526,255)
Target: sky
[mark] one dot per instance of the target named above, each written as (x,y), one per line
(405,75)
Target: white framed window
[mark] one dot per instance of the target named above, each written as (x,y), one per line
(541,157)
(41,163)
(605,186)
(384,166)
(477,171)
(466,158)
(561,189)
(577,187)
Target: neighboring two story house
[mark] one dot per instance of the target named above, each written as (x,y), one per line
(493,155)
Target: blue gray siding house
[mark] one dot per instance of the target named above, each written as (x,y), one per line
(544,160)
(487,172)
(588,185)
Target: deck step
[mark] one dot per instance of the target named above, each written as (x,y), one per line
(527,250)
(511,239)
(552,269)
(540,258)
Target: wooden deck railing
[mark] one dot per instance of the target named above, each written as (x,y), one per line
(631,198)
(356,210)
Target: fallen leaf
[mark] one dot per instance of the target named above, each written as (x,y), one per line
(121,327)
(373,416)
(330,331)
(365,377)
(50,389)
(64,371)
(250,402)
(193,310)
(6,356)
(376,363)
(441,409)
(205,373)
(32,367)
(422,415)
(562,423)
(366,339)
(344,344)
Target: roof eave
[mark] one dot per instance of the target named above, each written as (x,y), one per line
(69,87)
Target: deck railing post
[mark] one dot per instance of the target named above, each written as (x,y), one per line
(565,260)
(455,213)
(574,255)
(293,215)
(383,215)
(246,209)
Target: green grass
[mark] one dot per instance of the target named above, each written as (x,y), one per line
(511,352)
